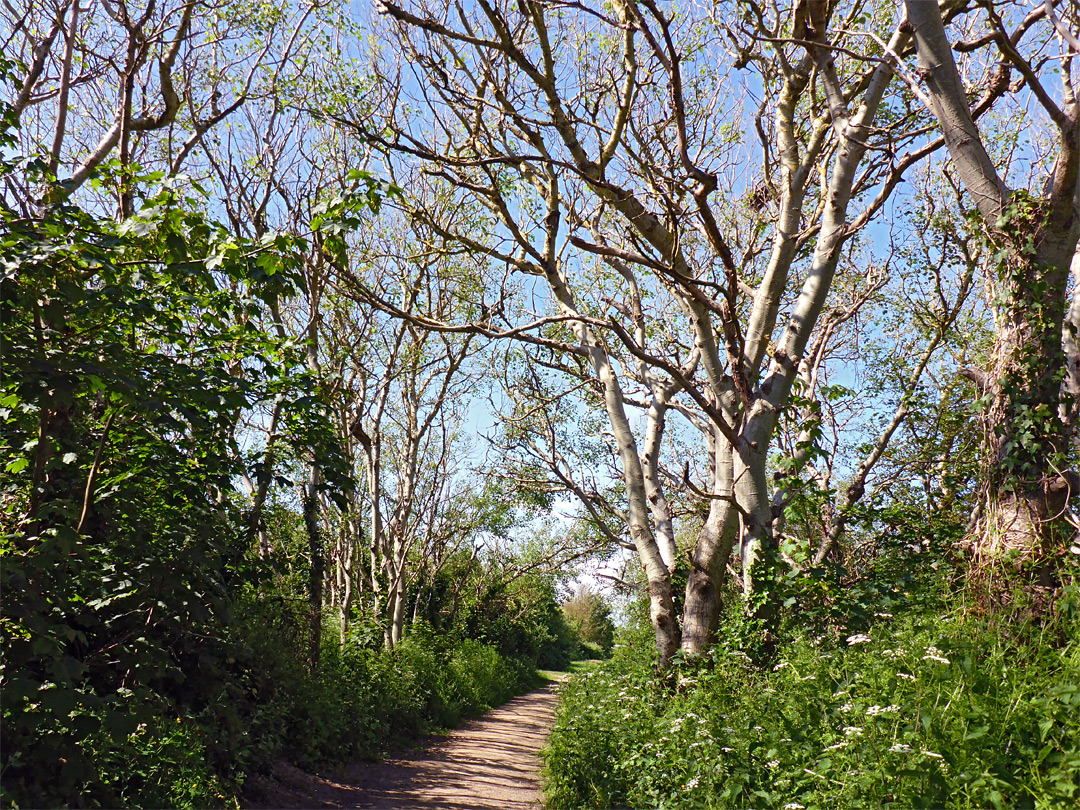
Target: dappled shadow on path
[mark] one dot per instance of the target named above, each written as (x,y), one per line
(490,762)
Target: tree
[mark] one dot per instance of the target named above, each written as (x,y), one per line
(1029,415)
(122,530)
(628,175)
(589,616)
(115,88)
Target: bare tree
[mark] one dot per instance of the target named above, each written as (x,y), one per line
(612,133)
(141,84)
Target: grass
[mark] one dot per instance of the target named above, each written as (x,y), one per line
(924,708)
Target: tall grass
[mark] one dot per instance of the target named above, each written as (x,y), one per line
(924,708)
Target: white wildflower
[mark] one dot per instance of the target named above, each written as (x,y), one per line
(852,731)
(727,750)
(905,676)
(847,707)
(932,754)
(794,806)
(873,711)
(883,615)
(693,783)
(900,748)
(781,665)
(839,745)
(806,678)
(772,763)
(859,638)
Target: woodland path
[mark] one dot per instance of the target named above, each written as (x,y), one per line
(490,762)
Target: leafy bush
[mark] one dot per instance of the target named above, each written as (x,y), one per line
(126,549)
(589,617)
(363,700)
(921,710)
(520,620)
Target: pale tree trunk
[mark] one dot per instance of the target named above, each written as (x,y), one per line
(720,533)
(1070,340)
(345,598)
(761,419)
(752,496)
(310,493)
(761,409)
(656,416)
(657,576)
(397,625)
(715,541)
(395,608)
(663,525)
(1026,486)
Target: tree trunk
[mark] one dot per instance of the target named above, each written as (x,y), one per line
(701,608)
(1026,485)
(752,496)
(315,570)
(397,628)
(663,526)
(346,596)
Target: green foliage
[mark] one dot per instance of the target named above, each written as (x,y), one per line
(588,615)
(149,658)
(129,354)
(931,708)
(124,354)
(520,619)
(362,700)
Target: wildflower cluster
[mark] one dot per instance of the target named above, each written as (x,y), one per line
(915,713)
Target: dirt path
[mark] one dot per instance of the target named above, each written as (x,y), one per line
(490,762)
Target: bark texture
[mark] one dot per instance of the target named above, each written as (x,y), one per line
(1026,486)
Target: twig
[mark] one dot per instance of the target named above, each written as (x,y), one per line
(93,471)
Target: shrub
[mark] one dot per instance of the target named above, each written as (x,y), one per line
(364,700)
(922,710)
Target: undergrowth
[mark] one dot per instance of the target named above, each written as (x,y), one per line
(366,699)
(138,749)
(927,706)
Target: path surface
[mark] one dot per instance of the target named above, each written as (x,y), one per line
(490,762)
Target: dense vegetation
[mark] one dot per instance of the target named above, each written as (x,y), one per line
(151,656)
(901,694)
(355,366)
